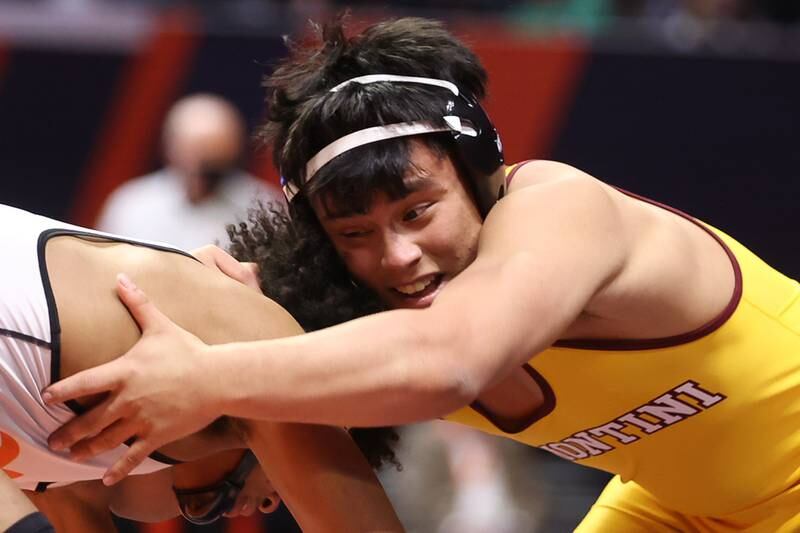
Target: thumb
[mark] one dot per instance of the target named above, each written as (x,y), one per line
(245,273)
(143,311)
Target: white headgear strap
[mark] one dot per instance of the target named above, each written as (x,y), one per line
(380,133)
(373,78)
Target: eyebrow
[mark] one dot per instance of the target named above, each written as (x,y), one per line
(414,183)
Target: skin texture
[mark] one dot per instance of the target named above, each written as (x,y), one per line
(561,256)
(78,507)
(15,505)
(96,328)
(432,232)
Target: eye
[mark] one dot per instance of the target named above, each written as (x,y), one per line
(416,212)
(354,233)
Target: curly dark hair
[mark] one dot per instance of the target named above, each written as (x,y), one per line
(301,271)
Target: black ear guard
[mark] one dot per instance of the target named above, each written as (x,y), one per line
(477,143)
(481,154)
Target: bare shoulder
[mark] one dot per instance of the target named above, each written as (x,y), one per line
(551,202)
(96,327)
(540,171)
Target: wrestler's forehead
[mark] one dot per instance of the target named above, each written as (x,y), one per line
(415,185)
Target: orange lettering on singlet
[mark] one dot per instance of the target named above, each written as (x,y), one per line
(9,450)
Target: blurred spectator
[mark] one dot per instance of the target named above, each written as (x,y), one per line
(456,479)
(483,500)
(201,189)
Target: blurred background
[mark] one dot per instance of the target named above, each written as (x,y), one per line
(694,103)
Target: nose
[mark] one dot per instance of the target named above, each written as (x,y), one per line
(399,251)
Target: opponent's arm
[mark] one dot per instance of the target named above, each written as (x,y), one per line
(545,251)
(15,505)
(299,459)
(217,309)
(80,507)
(144,498)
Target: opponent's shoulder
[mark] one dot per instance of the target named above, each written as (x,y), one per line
(95,326)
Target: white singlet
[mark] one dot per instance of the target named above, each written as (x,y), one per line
(29,357)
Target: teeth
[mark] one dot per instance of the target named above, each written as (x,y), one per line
(414,288)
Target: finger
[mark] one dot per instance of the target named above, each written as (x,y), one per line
(83,426)
(248,508)
(226,262)
(99,379)
(244,506)
(206,255)
(146,314)
(110,438)
(244,273)
(133,457)
(252,270)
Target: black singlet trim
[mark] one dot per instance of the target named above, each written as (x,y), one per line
(23,337)
(518,426)
(600,344)
(42,486)
(55,326)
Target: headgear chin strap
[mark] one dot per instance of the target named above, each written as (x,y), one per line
(478,145)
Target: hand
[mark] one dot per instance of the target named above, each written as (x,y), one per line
(218,259)
(155,391)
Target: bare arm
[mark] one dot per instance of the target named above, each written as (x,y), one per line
(217,309)
(15,505)
(78,507)
(530,281)
(298,458)
(85,506)
(146,498)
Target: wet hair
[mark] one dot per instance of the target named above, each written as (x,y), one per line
(299,267)
(303,116)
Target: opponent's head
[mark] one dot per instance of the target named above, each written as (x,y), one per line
(382,136)
(226,483)
(213,475)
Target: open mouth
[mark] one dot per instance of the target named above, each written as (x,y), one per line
(419,289)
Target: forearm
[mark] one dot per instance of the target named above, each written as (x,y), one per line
(80,507)
(385,369)
(322,477)
(145,498)
(15,505)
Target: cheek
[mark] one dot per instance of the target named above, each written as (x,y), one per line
(454,241)
(359,262)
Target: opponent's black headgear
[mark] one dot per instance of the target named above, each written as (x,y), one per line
(477,143)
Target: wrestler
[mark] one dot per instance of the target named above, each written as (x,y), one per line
(59,315)
(529,300)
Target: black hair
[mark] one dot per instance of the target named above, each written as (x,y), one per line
(299,267)
(302,272)
(303,116)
